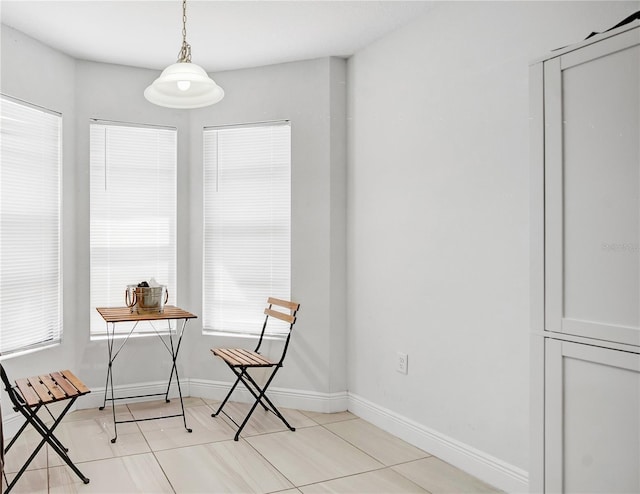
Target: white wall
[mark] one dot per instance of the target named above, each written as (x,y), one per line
(437,215)
(42,76)
(115,92)
(80,91)
(312,95)
(438,187)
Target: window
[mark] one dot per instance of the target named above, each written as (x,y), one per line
(247,224)
(133,213)
(30,238)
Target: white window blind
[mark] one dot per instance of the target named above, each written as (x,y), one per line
(30,242)
(247,225)
(133,214)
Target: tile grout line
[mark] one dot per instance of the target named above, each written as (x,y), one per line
(267,460)
(153,453)
(295,486)
(243,438)
(323,425)
(390,467)
(384,467)
(312,423)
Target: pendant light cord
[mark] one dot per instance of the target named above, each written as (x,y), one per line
(184,56)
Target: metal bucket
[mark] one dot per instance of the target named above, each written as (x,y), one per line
(146,299)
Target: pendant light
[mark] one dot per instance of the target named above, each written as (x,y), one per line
(184,84)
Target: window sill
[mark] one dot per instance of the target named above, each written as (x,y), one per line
(253,336)
(135,334)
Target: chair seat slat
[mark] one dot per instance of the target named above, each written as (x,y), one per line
(49,388)
(28,394)
(40,389)
(54,390)
(247,358)
(79,385)
(226,355)
(239,360)
(240,357)
(255,357)
(68,388)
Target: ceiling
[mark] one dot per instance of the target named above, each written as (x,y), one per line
(224,34)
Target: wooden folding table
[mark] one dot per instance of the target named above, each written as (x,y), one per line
(171,338)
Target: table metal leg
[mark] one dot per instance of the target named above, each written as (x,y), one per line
(173,350)
(109,381)
(174,370)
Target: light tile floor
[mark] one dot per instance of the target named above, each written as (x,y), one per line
(328,453)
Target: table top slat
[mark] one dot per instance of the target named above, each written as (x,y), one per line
(124,314)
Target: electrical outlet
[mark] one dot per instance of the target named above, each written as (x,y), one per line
(403,363)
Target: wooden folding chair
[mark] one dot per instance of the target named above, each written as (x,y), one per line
(240,361)
(29,395)
(1,452)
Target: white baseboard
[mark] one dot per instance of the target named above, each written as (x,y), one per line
(492,470)
(11,422)
(482,465)
(287,398)
(138,390)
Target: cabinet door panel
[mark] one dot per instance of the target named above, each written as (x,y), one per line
(592,193)
(593,419)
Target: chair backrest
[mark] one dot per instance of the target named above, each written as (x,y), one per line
(5,379)
(8,387)
(1,449)
(288,316)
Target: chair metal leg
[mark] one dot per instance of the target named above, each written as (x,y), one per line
(42,428)
(244,422)
(24,426)
(47,437)
(240,360)
(258,393)
(263,395)
(226,398)
(252,391)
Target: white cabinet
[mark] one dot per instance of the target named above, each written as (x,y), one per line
(592,426)
(592,185)
(585,266)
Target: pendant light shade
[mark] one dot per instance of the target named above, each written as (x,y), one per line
(184,84)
